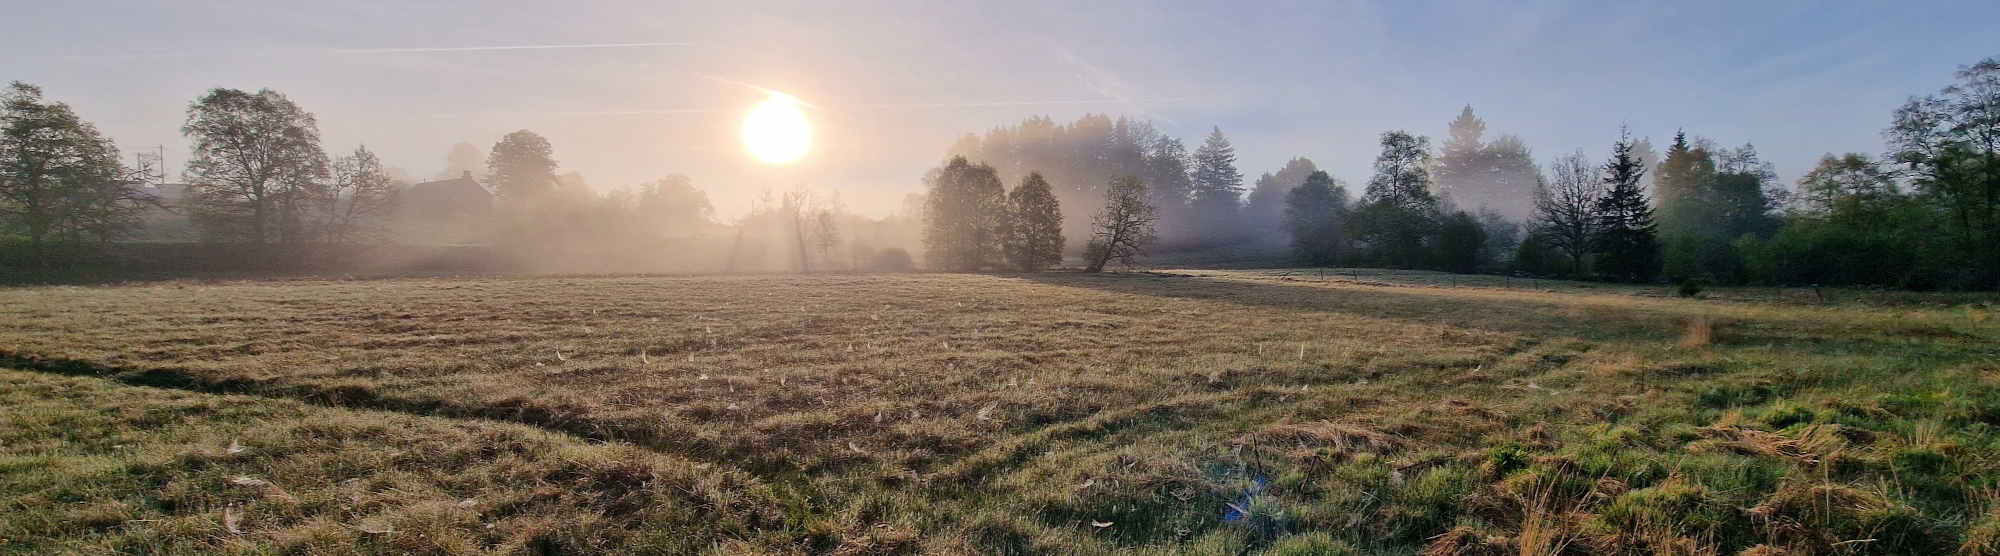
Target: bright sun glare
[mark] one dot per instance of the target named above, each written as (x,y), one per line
(776,131)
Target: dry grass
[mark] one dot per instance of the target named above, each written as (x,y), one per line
(1195,412)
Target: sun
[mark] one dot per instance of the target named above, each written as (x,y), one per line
(776,131)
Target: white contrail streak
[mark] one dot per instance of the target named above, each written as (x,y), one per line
(508,47)
(633,112)
(1006,103)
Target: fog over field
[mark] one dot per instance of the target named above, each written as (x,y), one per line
(629,94)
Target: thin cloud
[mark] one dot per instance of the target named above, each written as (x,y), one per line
(501,48)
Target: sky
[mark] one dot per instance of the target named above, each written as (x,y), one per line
(629,92)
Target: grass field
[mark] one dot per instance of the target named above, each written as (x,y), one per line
(1213,412)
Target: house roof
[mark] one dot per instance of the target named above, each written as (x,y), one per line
(453,195)
(460,187)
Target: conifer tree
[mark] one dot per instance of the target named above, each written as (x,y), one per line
(1218,187)
(1626,244)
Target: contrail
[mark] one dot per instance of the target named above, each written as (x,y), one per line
(508,47)
(633,112)
(1006,103)
(758,88)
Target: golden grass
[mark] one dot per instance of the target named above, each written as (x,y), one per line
(898,413)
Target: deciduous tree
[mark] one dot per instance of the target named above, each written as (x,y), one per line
(355,206)
(1121,231)
(60,181)
(1398,215)
(1314,215)
(1949,145)
(1565,208)
(1034,231)
(256,165)
(521,166)
(965,218)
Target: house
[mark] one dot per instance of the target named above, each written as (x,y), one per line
(455,210)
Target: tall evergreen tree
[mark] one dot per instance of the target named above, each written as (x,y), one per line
(1314,213)
(1683,187)
(1170,185)
(966,216)
(1461,162)
(1626,247)
(1034,230)
(1218,187)
(1497,176)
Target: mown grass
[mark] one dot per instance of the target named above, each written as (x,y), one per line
(1219,412)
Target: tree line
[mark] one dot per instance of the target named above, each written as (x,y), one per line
(258,176)
(1924,215)
(971,222)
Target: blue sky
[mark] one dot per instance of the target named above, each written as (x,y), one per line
(892,83)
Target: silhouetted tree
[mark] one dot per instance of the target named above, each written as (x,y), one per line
(256,165)
(1314,213)
(1717,197)
(521,166)
(1949,145)
(1121,231)
(1398,216)
(464,159)
(1499,176)
(1565,208)
(1684,186)
(674,206)
(1167,174)
(1264,210)
(966,217)
(1460,240)
(60,181)
(1848,182)
(1034,230)
(355,206)
(1218,188)
(1626,247)
(1462,165)
(1746,194)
